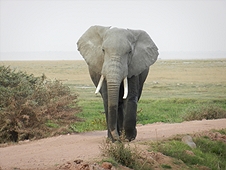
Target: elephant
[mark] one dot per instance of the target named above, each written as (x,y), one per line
(118,62)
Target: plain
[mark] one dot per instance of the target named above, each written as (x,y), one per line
(173,88)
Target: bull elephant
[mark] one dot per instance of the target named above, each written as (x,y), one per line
(118,62)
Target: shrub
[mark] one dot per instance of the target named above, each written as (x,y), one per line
(28,104)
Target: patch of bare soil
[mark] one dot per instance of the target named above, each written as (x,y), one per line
(63,152)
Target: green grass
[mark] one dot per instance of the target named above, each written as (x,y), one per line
(222,131)
(51,124)
(208,153)
(166,166)
(92,115)
(178,110)
(173,110)
(163,110)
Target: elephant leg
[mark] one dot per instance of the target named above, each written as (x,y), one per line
(142,78)
(103,91)
(130,108)
(130,104)
(120,110)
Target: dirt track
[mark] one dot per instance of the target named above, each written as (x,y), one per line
(50,152)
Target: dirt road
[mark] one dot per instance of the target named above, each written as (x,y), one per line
(50,152)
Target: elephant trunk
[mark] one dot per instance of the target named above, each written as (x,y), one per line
(113,85)
(114,81)
(112,115)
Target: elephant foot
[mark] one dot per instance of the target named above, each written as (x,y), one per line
(126,135)
(131,134)
(113,135)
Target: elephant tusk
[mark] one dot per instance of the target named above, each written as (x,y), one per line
(125,83)
(99,84)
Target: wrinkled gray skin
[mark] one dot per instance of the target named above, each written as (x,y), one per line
(118,53)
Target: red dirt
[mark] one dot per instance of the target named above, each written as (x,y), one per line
(50,152)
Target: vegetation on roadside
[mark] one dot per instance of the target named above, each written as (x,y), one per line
(209,153)
(123,154)
(163,110)
(33,107)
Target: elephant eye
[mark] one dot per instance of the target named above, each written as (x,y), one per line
(103,50)
(130,52)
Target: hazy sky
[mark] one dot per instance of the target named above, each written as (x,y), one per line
(55,25)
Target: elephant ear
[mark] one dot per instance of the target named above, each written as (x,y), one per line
(90,47)
(145,53)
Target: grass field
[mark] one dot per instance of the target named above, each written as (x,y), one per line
(172,88)
(202,79)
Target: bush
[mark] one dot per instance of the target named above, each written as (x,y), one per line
(28,104)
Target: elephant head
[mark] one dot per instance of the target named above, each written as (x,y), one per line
(116,54)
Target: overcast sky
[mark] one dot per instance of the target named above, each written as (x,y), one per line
(49,25)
